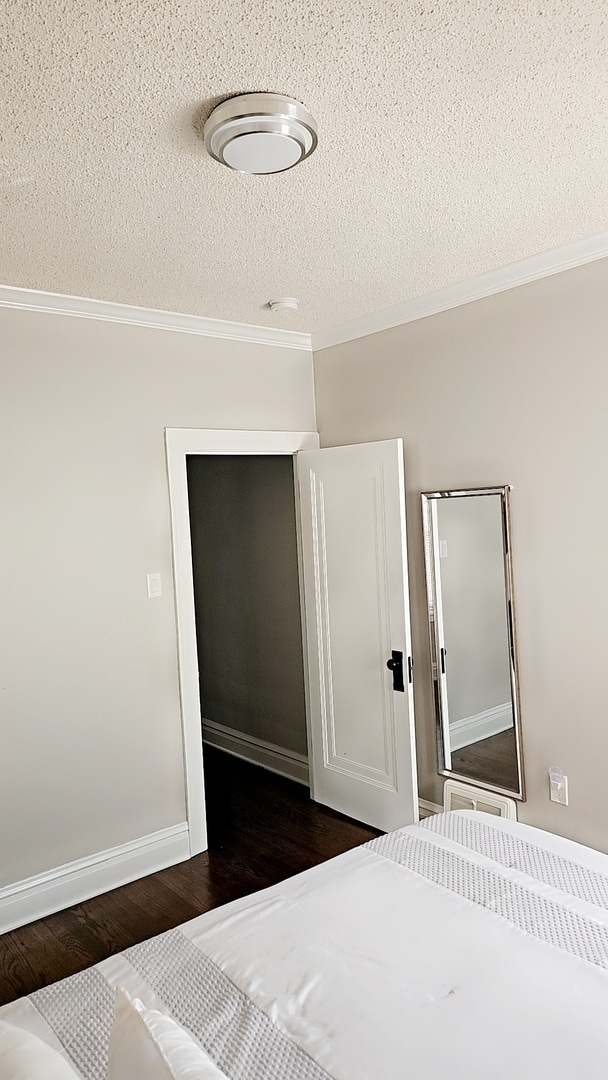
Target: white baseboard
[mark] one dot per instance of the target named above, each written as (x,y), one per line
(259,752)
(483,725)
(64,886)
(427,808)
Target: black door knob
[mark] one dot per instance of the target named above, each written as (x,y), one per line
(395,664)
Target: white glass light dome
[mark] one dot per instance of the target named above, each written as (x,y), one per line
(260,133)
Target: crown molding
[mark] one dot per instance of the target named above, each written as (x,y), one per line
(465,292)
(84,308)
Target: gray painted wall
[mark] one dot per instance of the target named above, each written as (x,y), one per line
(92,752)
(242,517)
(511,389)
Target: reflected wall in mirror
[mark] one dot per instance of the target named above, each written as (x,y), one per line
(471,618)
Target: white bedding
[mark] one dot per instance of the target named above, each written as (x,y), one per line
(466,947)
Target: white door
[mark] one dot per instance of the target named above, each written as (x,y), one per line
(361,724)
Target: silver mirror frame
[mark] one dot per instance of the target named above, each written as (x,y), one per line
(428,497)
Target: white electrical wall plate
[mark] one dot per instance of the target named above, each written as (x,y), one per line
(155,586)
(558,785)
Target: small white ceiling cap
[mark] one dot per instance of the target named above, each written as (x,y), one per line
(260,133)
(284,304)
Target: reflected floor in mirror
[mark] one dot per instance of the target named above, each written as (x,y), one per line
(492,760)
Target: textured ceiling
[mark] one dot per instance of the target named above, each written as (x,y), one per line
(455,136)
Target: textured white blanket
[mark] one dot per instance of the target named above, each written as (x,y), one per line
(467,947)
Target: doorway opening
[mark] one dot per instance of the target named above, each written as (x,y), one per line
(248,619)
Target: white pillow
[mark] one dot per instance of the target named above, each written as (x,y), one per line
(23,1056)
(146,1044)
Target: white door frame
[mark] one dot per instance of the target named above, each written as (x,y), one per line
(179,443)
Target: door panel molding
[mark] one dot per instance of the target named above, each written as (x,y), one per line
(332,759)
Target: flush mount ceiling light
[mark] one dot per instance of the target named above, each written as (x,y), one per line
(260,133)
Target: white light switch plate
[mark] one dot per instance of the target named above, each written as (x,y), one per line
(155,586)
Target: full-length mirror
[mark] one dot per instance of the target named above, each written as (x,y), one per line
(470,604)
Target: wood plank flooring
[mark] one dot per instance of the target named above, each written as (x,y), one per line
(493,760)
(262,829)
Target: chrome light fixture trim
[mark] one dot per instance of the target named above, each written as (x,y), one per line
(265,115)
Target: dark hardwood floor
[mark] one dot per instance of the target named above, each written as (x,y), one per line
(262,829)
(493,760)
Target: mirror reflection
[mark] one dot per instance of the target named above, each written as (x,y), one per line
(470,606)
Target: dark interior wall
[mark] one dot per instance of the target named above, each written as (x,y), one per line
(242,518)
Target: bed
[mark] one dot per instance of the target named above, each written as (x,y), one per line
(465,946)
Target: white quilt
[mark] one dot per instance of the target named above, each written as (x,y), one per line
(466,946)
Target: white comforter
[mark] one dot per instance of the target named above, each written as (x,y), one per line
(467,947)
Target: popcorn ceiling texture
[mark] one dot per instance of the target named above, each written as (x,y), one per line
(454,137)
